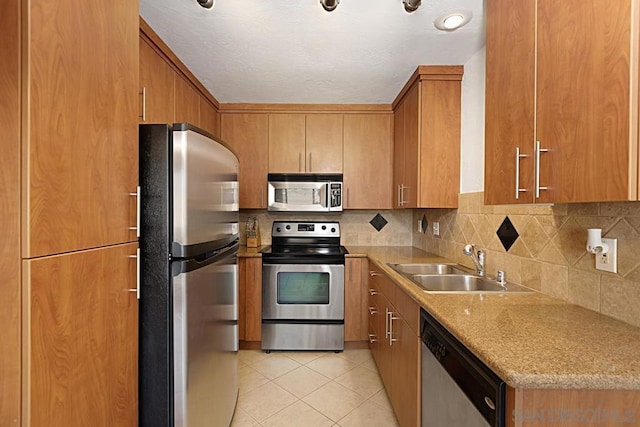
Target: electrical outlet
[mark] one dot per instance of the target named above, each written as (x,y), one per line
(419,226)
(609,261)
(436,228)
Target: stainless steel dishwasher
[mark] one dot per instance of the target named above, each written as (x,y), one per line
(458,390)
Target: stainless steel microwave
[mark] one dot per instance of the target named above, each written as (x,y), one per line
(301,192)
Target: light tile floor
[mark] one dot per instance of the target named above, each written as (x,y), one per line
(311,389)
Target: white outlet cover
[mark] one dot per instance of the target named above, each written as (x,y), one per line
(436,228)
(609,261)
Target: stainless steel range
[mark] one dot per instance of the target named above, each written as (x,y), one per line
(303,287)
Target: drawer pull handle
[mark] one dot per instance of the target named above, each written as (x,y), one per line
(372,310)
(373,292)
(372,338)
(374,273)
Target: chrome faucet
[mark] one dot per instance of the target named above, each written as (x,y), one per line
(477,256)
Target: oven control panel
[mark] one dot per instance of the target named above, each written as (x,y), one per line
(305,229)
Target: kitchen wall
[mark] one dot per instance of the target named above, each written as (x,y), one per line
(355,227)
(549,254)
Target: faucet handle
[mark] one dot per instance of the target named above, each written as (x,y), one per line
(501,278)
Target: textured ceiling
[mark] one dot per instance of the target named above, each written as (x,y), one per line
(292,51)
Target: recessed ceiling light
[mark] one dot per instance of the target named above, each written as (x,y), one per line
(452,20)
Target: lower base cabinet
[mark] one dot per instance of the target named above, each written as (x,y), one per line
(82,349)
(250,295)
(395,345)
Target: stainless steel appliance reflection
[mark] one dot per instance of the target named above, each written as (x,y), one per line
(303,287)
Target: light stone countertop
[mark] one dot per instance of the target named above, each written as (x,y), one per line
(529,340)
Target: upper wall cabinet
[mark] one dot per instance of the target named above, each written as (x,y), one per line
(368,161)
(247,134)
(169,92)
(156,82)
(81,124)
(309,143)
(562,108)
(427,139)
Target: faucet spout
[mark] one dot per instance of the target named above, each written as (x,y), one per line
(477,256)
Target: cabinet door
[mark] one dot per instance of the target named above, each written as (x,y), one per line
(368,161)
(156,79)
(583,100)
(405,377)
(187,106)
(398,154)
(324,143)
(81,155)
(286,143)
(355,329)
(412,155)
(439,181)
(209,117)
(83,338)
(253,299)
(10,300)
(247,135)
(510,100)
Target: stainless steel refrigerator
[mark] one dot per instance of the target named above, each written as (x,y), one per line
(188,368)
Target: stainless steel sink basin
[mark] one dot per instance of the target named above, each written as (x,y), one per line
(410,269)
(456,283)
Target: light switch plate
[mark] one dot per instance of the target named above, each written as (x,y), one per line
(609,261)
(436,228)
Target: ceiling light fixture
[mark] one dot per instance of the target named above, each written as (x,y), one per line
(207,4)
(452,20)
(329,5)
(411,5)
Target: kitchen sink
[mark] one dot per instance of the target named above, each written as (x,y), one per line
(410,269)
(452,278)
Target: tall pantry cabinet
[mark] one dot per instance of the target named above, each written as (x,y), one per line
(77,86)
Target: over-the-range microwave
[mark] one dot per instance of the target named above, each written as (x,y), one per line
(303,192)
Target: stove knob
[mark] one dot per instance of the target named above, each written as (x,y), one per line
(278,230)
(288,227)
(324,227)
(333,230)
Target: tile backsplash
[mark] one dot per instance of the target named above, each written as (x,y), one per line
(549,254)
(355,227)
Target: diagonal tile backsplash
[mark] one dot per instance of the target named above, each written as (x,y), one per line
(550,254)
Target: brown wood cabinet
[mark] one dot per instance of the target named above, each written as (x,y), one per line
(604,408)
(355,299)
(187,106)
(209,117)
(368,161)
(10,301)
(324,142)
(395,345)
(561,109)
(82,344)
(247,134)
(156,83)
(310,143)
(250,294)
(286,143)
(81,125)
(427,139)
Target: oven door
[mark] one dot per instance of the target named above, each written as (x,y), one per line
(302,292)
